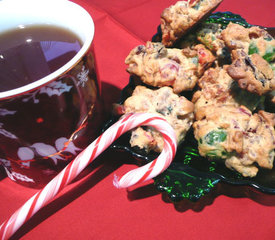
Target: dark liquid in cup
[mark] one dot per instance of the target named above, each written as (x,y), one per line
(42,130)
(29,53)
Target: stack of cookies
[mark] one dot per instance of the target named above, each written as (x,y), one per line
(230,73)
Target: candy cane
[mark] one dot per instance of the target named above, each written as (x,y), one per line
(148,171)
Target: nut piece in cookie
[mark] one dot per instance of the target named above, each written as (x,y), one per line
(215,90)
(218,88)
(252,72)
(177,110)
(179,18)
(159,66)
(243,140)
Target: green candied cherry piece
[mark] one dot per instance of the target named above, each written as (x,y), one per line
(207,43)
(214,137)
(269,55)
(206,34)
(253,48)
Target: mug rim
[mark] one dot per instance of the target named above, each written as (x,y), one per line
(66,67)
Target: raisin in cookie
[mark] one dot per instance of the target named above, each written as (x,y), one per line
(252,72)
(177,110)
(253,55)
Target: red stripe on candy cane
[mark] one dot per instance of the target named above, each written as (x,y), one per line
(146,172)
(168,153)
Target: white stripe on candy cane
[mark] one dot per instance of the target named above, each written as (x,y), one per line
(144,173)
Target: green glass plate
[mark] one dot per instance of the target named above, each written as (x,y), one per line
(191,176)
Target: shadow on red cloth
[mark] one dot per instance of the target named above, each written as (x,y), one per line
(221,189)
(93,174)
(2,173)
(102,167)
(226,190)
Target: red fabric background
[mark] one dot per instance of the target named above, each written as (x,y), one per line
(91,208)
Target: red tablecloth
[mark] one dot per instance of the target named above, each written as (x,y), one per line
(91,208)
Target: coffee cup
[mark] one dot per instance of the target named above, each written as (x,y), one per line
(49,96)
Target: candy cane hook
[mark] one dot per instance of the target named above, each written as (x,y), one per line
(71,171)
